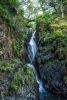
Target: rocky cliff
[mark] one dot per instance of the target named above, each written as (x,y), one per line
(5,40)
(52,59)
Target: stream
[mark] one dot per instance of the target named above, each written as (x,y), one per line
(32,57)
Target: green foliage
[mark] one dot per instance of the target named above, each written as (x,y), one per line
(1,46)
(16,46)
(10,5)
(32,25)
(47,36)
(43,3)
(47,17)
(7,8)
(13,14)
(6,65)
(7,16)
(18,42)
(43,21)
(23,77)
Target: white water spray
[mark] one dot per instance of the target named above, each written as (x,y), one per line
(32,49)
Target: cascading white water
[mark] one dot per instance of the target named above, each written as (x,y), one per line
(32,48)
(32,53)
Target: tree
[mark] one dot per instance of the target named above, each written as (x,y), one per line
(54,4)
(63,7)
(31,8)
(62,11)
(59,6)
(43,3)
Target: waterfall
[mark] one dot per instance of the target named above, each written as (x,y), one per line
(32,48)
(32,55)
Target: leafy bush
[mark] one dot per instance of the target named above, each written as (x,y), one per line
(43,21)
(6,66)
(23,77)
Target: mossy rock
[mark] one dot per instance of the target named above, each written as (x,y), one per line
(18,77)
(23,77)
(53,61)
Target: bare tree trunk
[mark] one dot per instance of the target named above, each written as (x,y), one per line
(62,12)
(7,45)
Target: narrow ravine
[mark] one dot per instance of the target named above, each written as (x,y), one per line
(44,93)
(32,55)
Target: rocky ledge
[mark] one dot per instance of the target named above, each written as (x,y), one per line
(52,59)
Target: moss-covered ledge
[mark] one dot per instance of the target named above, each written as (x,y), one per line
(15,76)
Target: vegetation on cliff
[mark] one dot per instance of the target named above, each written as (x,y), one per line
(13,31)
(18,18)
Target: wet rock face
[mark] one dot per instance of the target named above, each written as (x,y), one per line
(25,93)
(52,59)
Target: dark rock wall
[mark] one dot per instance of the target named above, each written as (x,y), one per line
(52,58)
(52,55)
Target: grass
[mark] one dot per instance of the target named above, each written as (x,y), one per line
(22,77)
(8,65)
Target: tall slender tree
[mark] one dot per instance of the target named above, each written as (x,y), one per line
(62,9)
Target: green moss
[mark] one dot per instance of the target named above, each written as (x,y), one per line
(7,65)
(23,77)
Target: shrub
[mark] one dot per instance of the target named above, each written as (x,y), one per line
(43,21)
